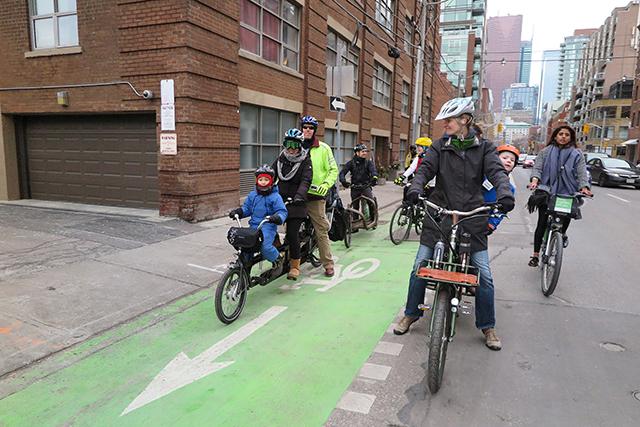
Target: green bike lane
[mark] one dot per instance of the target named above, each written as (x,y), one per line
(286,361)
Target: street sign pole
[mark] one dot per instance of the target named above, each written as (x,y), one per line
(338,136)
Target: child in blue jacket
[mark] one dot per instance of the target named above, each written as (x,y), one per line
(508,155)
(264,201)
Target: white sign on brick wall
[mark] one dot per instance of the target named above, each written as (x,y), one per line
(167,105)
(169,144)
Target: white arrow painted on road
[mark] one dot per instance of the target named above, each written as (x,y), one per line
(182,371)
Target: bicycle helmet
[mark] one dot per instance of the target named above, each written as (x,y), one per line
(265,171)
(359,147)
(309,120)
(424,141)
(456,107)
(510,149)
(293,138)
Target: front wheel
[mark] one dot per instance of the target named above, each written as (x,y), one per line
(400,225)
(439,339)
(231,295)
(347,230)
(552,264)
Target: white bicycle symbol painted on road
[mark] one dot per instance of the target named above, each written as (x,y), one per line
(355,270)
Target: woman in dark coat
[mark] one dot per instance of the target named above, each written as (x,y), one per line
(294,173)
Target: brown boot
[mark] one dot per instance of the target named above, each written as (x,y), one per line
(403,326)
(491,339)
(328,270)
(294,269)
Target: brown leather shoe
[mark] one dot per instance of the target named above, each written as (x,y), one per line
(491,339)
(294,269)
(328,271)
(403,326)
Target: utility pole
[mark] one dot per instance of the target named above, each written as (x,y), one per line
(417,84)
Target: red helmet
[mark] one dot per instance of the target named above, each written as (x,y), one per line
(509,148)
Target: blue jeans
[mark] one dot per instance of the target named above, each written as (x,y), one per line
(485,310)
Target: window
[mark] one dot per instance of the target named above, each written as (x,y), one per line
(261,131)
(381,85)
(623,132)
(405,97)
(401,155)
(54,23)
(271,30)
(350,54)
(344,153)
(384,13)
(408,35)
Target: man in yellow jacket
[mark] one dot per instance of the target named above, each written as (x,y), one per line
(325,173)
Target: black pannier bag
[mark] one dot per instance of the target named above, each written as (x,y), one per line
(244,237)
(338,225)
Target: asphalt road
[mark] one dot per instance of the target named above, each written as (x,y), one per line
(569,360)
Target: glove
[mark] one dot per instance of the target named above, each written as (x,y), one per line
(506,204)
(490,230)
(399,180)
(374,181)
(413,196)
(345,184)
(275,219)
(323,189)
(235,212)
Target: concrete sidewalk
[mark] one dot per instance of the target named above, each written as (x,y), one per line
(69,272)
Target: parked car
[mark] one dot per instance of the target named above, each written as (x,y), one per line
(522,158)
(589,156)
(609,171)
(528,163)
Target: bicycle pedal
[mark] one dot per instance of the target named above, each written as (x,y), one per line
(424,307)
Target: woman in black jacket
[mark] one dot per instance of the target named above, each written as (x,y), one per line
(294,173)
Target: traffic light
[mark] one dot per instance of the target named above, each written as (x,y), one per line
(500,127)
(585,128)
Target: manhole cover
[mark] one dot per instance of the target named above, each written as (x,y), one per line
(611,346)
(636,394)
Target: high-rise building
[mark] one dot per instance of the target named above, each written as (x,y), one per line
(549,78)
(503,54)
(522,100)
(571,54)
(462,26)
(525,62)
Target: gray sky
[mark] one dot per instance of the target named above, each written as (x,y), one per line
(551,20)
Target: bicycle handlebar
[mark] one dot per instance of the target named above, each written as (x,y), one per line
(444,211)
(265,220)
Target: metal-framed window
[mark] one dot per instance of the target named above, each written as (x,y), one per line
(350,56)
(384,13)
(271,29)
(54,23)
(381,85)
(405,97)
(344,153)
(408,35)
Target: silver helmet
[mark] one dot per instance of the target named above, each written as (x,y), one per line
(456,107)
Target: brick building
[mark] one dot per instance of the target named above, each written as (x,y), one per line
(76,126)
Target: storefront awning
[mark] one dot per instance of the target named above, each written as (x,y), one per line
(630,142)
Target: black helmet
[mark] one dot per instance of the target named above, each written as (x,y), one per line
(359,147)
(268,172)
(265,170)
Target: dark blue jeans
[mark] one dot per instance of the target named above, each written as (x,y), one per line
(485,310)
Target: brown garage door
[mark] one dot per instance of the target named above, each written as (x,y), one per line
(105,159)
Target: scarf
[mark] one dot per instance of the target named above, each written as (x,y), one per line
(463,144)
(558,172)
(296,159)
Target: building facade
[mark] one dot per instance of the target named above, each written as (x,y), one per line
(601,105)
(522,99)
(502,65)
(571,56)
(85,123)
(549,78)
(462,28)
(524,73)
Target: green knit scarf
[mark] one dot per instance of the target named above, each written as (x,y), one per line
(462,144)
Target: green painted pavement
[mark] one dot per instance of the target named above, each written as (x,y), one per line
(292,371)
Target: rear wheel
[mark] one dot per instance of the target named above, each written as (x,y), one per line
(400,225)
(418,219)
(439,339)
(602,181)
(231,295)
(553,263)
